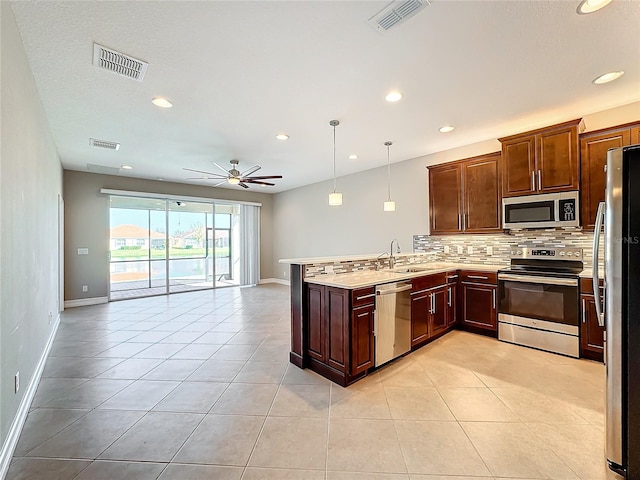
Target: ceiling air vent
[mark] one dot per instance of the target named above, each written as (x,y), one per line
(119,63)
(396,13)
(104,144)
(103,169)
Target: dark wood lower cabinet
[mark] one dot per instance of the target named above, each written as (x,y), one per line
(452,298)
(340,337)
(420,308)
(479,306)
(362,340)
(591,333)
(438,318)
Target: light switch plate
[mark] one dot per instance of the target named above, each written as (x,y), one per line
(446,249)
(460,249)
(83,251)
(470,250)
(489,250)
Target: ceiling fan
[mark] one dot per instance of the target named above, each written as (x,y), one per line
(234,176)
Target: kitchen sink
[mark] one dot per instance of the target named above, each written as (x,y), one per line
(412,269)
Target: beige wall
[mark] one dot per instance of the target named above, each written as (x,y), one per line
(87,225)
(30,183)
(305,226)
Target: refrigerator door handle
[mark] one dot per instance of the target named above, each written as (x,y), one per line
(596,263)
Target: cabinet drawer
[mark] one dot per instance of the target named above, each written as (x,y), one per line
(479,277)
(428,281)
(586,285)
(363,296)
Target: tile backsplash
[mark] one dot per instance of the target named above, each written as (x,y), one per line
(489,249)
(495,248)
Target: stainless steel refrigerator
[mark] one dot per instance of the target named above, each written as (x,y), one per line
(620,215)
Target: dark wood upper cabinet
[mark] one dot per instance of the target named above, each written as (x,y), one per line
(635,135)
(593,158)
(518,166)
(541,161)
(445,202)
(464,196)
(481,194)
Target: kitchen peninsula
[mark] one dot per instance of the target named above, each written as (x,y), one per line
(333,301)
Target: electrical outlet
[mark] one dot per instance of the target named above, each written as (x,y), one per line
(85,288)
(328,269)
(460,249)
(470,250)
(284,274)
(489,250)
(446,249)
(16,382)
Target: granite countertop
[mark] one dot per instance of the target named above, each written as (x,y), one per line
(349,258)
(368,278)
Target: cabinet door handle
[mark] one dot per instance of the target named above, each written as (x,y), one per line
(464,221)
(371,295)
(533,180)
(584,311)
(449,303)
(539,180)
(459,221)
(478,277)
(494,298)
(433,300)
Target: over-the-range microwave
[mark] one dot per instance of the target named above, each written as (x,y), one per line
(546,210)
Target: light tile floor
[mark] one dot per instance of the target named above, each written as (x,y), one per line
(198,386)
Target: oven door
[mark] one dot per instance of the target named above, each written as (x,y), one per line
(551,299)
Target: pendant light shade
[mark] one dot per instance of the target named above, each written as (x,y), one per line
(335,198)
(389,205)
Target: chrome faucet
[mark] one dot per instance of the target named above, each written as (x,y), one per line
(392,259)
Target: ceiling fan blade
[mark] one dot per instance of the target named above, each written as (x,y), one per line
(205,178)
(250,171)
(221,168)
(207,173)
(258,182)
(243,185)
(264,177)
(221,183)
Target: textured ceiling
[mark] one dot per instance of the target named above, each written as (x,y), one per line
(241,72)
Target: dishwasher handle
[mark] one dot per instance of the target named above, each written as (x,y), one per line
(390,291)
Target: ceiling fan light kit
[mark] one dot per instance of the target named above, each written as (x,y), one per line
(335,198)
(234,176)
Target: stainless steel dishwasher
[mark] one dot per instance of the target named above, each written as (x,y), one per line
(392,321)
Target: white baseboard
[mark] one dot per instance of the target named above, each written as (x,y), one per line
(274,280)
(83,302)
(15,430)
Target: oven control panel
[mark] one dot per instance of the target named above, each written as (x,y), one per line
(549,253)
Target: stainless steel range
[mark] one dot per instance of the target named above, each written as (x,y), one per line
(539,299)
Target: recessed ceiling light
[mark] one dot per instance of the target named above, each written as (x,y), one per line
(590,6)
(447,128)
(282,136)
(353,156)
(607,77)
(393,96)
(161,102)
(126,167)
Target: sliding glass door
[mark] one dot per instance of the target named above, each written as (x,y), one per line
(160,246)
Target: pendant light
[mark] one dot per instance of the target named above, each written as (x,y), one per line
(389,205)
(335,198)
